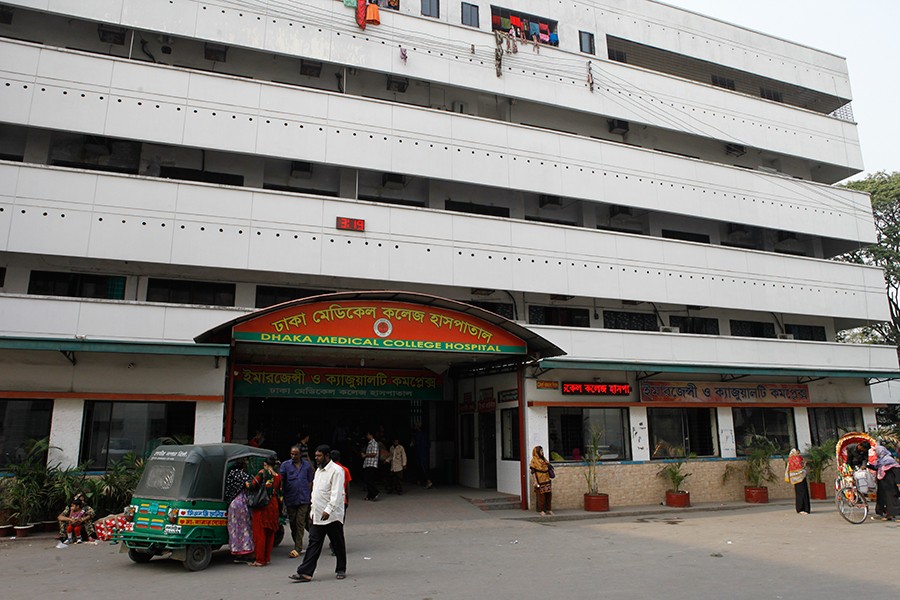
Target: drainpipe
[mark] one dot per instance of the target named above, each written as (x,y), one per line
(523,476)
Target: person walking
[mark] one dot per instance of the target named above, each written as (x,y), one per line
(296,482)
(370,467)
(397,464)
(327,518)
(336,459)
(887,473)
(540,480)
(265,518)
(795,474)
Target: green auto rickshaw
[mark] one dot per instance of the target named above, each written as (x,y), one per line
(179,506)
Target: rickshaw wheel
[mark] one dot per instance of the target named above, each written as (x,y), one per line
(852,506)
(279,534)
(197,557)
(138,556)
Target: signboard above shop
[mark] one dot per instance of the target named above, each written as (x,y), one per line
(379,324)
(595,389)
(723,393)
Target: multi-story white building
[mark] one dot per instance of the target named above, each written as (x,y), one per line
(643,193)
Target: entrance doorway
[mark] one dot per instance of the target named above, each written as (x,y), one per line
(487,450)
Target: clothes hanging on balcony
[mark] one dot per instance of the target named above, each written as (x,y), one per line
(554,39)
(504,23)
(372,15)
(515,21)
(361,13)
(535,29)
(495,21)
(545,38)
(350,3)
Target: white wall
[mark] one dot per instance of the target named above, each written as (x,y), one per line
(65,432)
(208,422)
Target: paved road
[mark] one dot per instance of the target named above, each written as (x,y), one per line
(442,547)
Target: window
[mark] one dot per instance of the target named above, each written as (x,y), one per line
(587,42)
(776,424)
(76,285)
(185,174)
(686,236)
(467,435)
(559,315)
(831,423)
(176,291)
(21,421)
(2,276)
(752,329)
(509,434)
(570,432)
(616,55)
(770,94)
(677,431)
(813,333)
(697,325)
(613,319)
(504,309)
(114,429)
(723,82)
(469,14)
(267,295)
(431,8)
(476,209)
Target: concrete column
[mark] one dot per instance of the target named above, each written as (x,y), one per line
(801,426)
(640,438)
(65,432)
(37,147)
(869,420)
(727,445)
(208,420)
(348,187)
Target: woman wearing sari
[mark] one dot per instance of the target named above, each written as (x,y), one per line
(540,479)
(795,473)
(240,532)
(887,473)
(265,518)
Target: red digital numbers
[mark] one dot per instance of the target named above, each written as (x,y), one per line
(350,224)
(596,389)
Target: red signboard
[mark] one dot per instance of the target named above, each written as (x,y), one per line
(467,405)
(543,384)
(595,389)
(376,324)
(350,224)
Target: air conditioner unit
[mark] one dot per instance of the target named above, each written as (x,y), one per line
(618,126)
(215,52)
(735,150)
(665,329)
(785,336)
(548,201)
(301,169)
(393,180)
(111,35)
(310,68)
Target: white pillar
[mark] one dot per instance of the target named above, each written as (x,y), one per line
(640,438)
(65,432)
(208,420)
(801,426)
(727,445)
(869,420)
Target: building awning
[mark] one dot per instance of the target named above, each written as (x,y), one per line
(68,345)
(646,370)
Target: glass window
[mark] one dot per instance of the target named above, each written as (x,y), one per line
(178,291)
(616,55)
(776,424)
(614,319)
(682,431)
(469,14)
(20,422)
(431,8)
(587,42)
(467,435)
(752,329)
(509,433)
(570,432)
(831,423)
(113,429)
(770,94)
(559,315)
(723,82)
(814,333)
(76,285)
(696,325)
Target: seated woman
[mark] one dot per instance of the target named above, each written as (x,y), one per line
(85,520)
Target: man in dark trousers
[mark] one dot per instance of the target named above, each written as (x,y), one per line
(370,466)
(327,513)
(296,481)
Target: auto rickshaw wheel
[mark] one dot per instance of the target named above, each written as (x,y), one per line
(138,556)
(197,557)
(279,534)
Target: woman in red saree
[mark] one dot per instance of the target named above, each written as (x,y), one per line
(265,518)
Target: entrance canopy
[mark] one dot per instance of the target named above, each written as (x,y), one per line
(378,329)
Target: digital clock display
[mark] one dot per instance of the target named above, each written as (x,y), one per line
(349,224)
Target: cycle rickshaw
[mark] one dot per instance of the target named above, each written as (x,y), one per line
(853,487)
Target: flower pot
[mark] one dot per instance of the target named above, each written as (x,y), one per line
(596,502)
(817,491)
(6,530)
(50,526)
(23,531)
(679,499)
(756,495)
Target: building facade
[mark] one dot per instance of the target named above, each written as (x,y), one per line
(638,199)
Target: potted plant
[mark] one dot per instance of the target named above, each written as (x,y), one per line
(756,469)
(818,457)
(673,471)
(25,493)
(594,500)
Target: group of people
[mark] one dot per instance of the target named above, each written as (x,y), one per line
(314,499)
(886,469)
(76,521)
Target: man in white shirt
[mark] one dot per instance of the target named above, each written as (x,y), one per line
(327,512)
